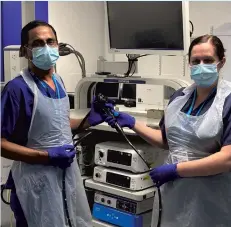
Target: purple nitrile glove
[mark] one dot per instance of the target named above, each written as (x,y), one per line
(164,174)
(97,117)
(123,120)
(61,157)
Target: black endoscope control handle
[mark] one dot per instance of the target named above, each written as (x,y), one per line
(100,102)
(109,112)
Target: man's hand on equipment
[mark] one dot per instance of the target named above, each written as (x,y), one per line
(61,157)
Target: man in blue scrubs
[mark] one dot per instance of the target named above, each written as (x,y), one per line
(36,134)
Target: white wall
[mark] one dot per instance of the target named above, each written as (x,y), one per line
(207,14)
(224,33)
(80,24)
(214,14)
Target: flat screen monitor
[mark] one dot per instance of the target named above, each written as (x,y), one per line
(111,90)
(128,92)
(148,27)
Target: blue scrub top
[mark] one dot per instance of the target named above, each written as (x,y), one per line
(226,135)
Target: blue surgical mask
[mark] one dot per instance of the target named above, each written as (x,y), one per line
(204,75)
(45,57)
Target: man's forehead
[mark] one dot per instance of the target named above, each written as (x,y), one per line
(41,32)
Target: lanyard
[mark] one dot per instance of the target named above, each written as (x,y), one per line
(57,93)
(194,100)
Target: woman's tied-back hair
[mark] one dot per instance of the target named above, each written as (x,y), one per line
(214,40)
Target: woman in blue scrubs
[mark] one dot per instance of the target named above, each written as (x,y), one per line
(195,181)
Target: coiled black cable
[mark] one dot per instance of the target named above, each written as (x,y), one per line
(3,188)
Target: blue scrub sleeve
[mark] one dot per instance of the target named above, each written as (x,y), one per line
(9,111)
(226,136)
(162,129)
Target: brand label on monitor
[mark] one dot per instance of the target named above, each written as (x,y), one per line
(123,81)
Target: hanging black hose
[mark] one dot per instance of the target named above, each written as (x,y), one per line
(76,142)
(65,198)
(160,207)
